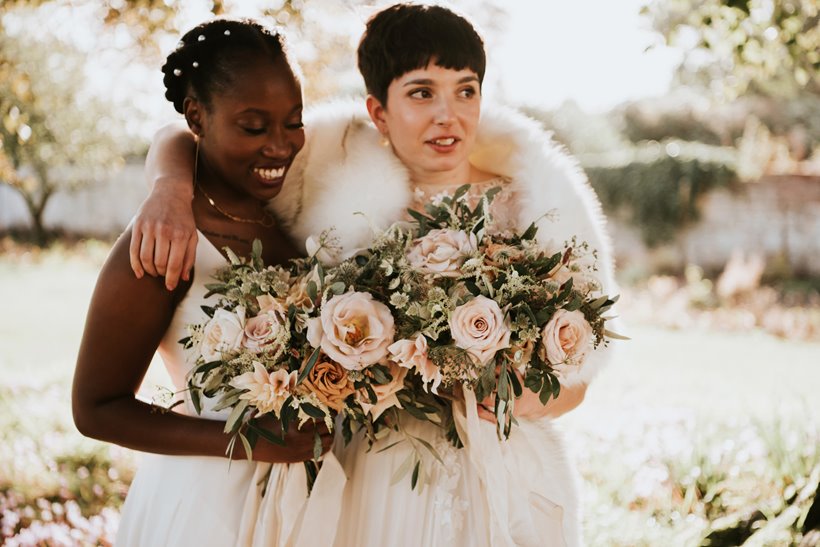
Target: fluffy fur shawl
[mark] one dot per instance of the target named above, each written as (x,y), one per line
(344,170)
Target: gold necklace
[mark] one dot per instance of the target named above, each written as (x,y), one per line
(267,220)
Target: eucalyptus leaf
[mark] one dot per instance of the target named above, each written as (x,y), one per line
(530,232)
(247,446)
(195,398)
(312,291)
(232,256)
(267,435)
(503,383)
(256,249)
(403,469)
(234,417)
(389,446)
(311,362)
(312,411)
(430,448)
(317,445)
(615,336)
(516,384)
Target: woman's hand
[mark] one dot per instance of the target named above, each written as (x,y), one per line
(164,237)
(298,447)
(163,240)
(529,405)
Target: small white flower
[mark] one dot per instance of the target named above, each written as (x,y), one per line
(399,300)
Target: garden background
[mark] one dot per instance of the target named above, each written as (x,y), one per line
(703,432)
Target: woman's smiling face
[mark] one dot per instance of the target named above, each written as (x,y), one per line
(252,134)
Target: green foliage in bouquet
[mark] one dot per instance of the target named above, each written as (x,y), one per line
(505,279)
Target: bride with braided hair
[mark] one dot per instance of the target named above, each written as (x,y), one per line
(232,81)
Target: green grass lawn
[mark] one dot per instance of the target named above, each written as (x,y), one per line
(684,429)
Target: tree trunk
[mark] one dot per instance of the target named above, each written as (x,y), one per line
(36,208)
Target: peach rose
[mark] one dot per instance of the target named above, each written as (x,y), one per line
(330,383)
(478,327)
(412,354)
(566,337)
(267,391)
(385,393)
(352,329)
(442,252)
(261,330)
(222,334)
(298,291)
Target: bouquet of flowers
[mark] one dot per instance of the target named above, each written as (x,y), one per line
(253,356)
(446,302)
(435,306)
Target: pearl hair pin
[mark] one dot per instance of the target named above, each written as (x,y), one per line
(227,33)
(201,38)
(195,64)
(177,72)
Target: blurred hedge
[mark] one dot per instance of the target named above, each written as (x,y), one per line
(657,186)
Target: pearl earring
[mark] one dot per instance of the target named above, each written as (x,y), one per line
(384,141)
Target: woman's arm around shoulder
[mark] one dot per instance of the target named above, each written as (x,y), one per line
(164,234)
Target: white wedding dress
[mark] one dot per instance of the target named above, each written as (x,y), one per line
(199,501)
(489,493)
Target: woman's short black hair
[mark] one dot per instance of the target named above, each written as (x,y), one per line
(407,37)
(209,56)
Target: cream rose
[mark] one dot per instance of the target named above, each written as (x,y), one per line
(267,391)
(412,354)
(269,304)
(385,393)
(566,337)
(353,329)
(330,383)
(478,327)
(442,252)
(261,330)
(222,334)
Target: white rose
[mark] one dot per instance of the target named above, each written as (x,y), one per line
(222,334)
(267,391)
(442,252)
(352,329)
(412,354)
(566,337)
(260,331)
(478,327)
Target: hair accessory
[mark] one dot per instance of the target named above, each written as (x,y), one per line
(177,72)
(195,64)
(227,33)
(201,38)
(267,220)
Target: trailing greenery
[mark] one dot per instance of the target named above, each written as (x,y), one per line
(658,186)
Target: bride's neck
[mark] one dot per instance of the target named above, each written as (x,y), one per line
(455,177)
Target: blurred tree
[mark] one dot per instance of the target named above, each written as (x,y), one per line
(53,135)
(769,47)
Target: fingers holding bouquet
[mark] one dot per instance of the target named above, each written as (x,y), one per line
(296,445)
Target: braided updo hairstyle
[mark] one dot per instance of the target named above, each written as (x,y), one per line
(208,57)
